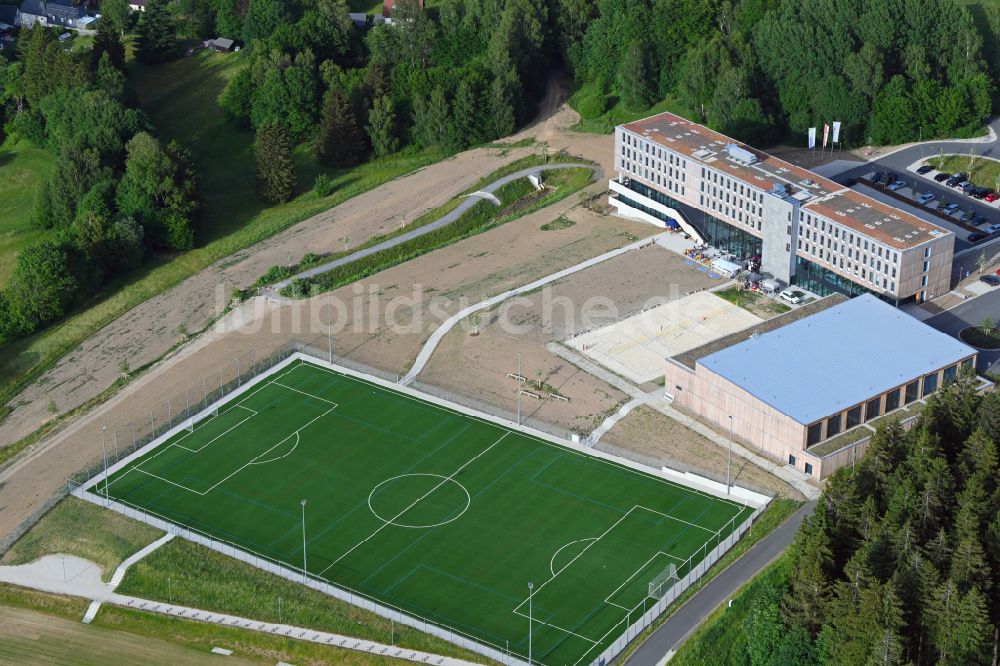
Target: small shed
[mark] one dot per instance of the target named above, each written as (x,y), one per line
(221,45)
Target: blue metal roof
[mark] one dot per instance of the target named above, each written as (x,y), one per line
(835,359)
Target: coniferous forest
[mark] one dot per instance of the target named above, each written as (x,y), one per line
(900,562)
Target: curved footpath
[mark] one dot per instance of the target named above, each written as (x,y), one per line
(444,221)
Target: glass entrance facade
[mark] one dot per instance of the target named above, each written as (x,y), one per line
(823,282)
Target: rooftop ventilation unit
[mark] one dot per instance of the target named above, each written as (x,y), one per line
(741,155)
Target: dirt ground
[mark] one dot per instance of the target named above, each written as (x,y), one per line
(478,365)
(513,254)
(29,637)
(148,331)
(650,434)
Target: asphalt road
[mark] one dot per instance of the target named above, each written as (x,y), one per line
(972,313)
(688,617)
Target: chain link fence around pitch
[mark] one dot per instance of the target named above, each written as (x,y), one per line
(181,406)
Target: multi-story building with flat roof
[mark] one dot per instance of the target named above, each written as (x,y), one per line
(808,230)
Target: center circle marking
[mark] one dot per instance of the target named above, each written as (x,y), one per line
(388,521)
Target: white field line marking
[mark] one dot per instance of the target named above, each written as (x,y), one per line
(202,447)
(637,572)
(444,480)
(253,461)
(552,562)
(553,445)
(535,620)
(315,397)
(667,515)
(296,434)
(290,452)
(138,466)
(579,555)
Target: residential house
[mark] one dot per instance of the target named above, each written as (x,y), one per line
(10,17)
(137,5)
(30,13)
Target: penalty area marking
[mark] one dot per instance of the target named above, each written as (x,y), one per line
(468,501)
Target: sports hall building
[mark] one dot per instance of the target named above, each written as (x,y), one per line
(808,230)
(808,387)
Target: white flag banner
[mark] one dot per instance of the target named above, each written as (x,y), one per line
(826,133)
(836,131)
(812,138)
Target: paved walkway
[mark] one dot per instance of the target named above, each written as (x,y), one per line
(655,400)
(77,577)
(437,224)
(432,342)
(664,642)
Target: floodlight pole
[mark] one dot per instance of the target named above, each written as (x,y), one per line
(305,577)
(531,586)
(104,447)
(329,326)
(729,462)
(518,388)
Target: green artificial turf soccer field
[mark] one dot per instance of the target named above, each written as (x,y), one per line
(445,516)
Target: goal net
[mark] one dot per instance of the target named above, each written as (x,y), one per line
(198,419)
(659,586)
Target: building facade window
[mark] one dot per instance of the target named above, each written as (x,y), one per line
(891,400)
(912,392)
(853,417)
(950,374)
(823,282)
(833,425)
(873,409)
(930,384)
(814,434)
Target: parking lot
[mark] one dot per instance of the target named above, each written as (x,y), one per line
(915,185)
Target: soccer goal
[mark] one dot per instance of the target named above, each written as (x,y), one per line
(659,586)
(197,419)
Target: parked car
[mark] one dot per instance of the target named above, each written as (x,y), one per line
(991,197)
(979,220)
(890,178)
(968,187)
(879,177)
(898,185)
(926,198)
(792,296)
(991,280)
(850,182)
(993,228)
(959,184)
(968,215)
(941,177)
(979,192)
(950,208)
(975,236)
(956,179)
(927,168)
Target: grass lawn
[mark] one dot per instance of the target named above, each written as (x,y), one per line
(975,336)
(517,198)
(22,168)
(442,515)
(984,173)
(180,98)
(185,573)
(617,114)
(753,301)
(75,527)
(720,640)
